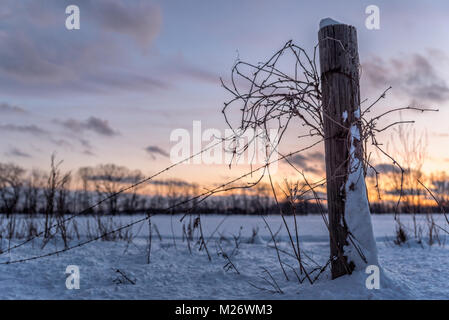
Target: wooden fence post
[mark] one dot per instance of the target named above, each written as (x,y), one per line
(339,63)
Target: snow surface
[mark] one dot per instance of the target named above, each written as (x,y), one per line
(411,271)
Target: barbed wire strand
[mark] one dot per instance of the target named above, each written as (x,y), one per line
(206,193)
(111,196)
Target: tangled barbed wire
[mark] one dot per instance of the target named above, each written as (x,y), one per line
(287,87)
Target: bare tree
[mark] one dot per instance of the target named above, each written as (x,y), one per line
(131,199)
(108,180)
(55,194)
(85,199)
(11,184)
(32,191)
(410,149)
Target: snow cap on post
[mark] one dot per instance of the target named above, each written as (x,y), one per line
(328,22)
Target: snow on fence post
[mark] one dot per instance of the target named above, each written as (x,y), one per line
(352,244)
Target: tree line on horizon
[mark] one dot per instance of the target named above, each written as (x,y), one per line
(55,192)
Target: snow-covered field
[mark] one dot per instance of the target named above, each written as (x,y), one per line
(411,271)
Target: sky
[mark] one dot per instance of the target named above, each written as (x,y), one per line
(116,89)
